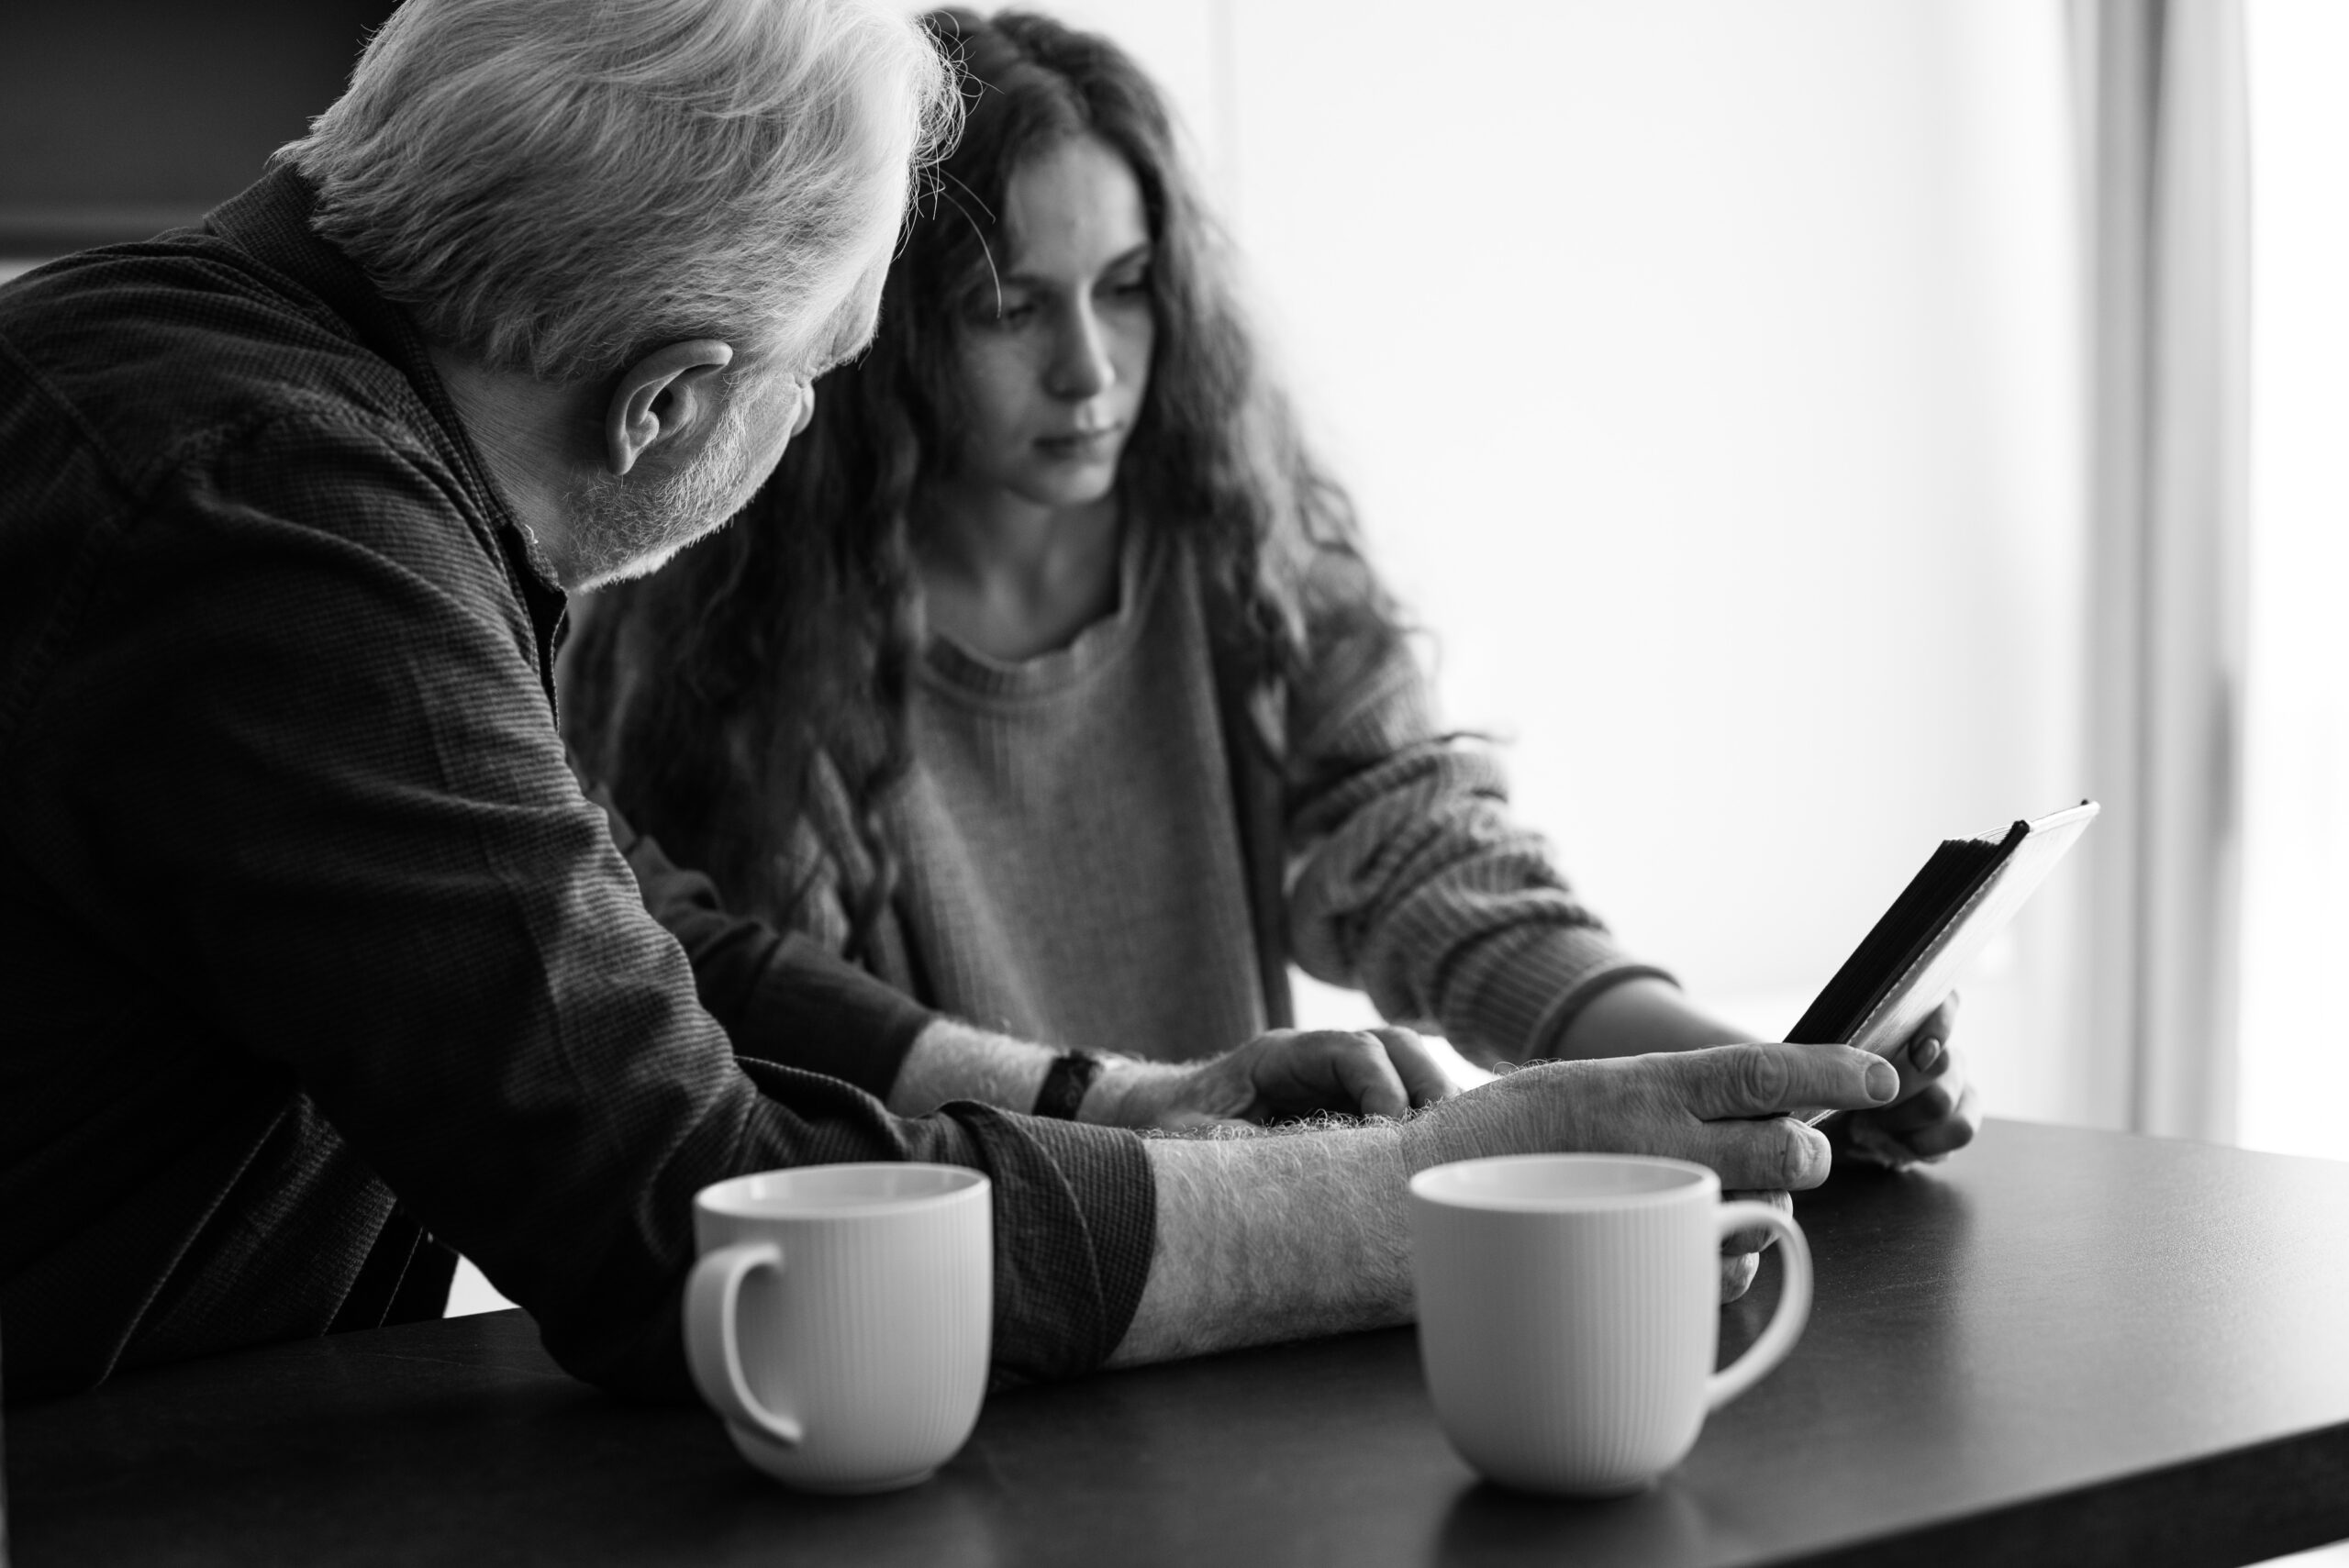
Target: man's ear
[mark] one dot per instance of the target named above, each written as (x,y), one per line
(669,393)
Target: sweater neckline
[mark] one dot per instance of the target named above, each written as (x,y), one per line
(953,668)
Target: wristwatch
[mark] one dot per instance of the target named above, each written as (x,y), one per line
(1066,1081)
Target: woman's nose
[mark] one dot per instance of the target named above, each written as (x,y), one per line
(1080,365)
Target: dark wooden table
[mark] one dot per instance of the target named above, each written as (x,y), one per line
(2063,1347)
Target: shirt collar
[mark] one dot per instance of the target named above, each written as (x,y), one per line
(271,220)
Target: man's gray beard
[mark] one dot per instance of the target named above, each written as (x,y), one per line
(621,529)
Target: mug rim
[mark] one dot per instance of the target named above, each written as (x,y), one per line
(730,1199)
(1439,1184)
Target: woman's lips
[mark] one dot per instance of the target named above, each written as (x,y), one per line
(1081,443)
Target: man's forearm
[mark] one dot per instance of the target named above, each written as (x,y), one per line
(1279,1236)
(1273,1237)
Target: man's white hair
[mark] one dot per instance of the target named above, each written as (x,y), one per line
(558,187)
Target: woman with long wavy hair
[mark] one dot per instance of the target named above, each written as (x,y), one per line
(1047,676)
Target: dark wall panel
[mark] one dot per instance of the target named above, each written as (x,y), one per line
(118,118)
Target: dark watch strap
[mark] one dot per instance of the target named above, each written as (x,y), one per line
(1065,1081)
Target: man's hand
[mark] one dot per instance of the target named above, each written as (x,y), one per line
(1281,1237)
(1935,1113)
(1277,1077)
(1741,1250)
(1722,1107)
(1936,1110)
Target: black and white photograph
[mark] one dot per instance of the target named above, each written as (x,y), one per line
(1162,781)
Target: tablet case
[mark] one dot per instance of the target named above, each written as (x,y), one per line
(1942,921)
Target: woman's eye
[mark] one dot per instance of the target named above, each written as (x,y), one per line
(987,309)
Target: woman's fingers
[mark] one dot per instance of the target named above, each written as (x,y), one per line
(1299,1072)
(1386,1071)
(1952,1132)
(1931,1076)
(1930,1099)
(1929,1105)
(1370,1073)
(1925,1052)
(1423,1078)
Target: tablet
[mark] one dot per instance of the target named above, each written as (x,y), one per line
(1908,963)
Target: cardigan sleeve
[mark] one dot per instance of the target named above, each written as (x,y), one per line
(1407,877)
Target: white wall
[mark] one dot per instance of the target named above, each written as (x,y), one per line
(1708,371)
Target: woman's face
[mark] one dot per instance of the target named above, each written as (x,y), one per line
(1052,384)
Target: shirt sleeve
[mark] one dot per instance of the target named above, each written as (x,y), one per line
(317,797)
(1407,877)
(777,995)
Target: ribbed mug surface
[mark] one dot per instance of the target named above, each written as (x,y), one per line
(1569,1314)
(873,1335)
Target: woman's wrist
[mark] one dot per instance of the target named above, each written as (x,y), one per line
(1068,1079)
(1636,1016)
(1128,1091)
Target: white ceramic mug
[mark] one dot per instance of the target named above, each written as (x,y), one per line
(1569,1313)
(839,1317)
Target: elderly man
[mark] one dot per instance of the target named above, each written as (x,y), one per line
(311,945)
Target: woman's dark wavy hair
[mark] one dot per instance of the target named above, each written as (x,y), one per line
(703,695)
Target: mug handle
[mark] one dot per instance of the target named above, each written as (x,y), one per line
(713,1342)
(1793,1302)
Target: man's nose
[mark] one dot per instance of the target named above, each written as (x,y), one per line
(1081,366)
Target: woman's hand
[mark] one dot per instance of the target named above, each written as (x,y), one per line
(1277,1077)
(1936,1110)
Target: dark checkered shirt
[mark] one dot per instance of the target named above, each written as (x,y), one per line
(307,934)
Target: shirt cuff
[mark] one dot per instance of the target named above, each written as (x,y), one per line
(1076,1218)
(1524,988)
(806,1008)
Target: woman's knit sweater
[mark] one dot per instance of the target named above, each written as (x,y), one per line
(1074,868)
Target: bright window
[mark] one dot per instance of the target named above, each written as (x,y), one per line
(2296,797)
